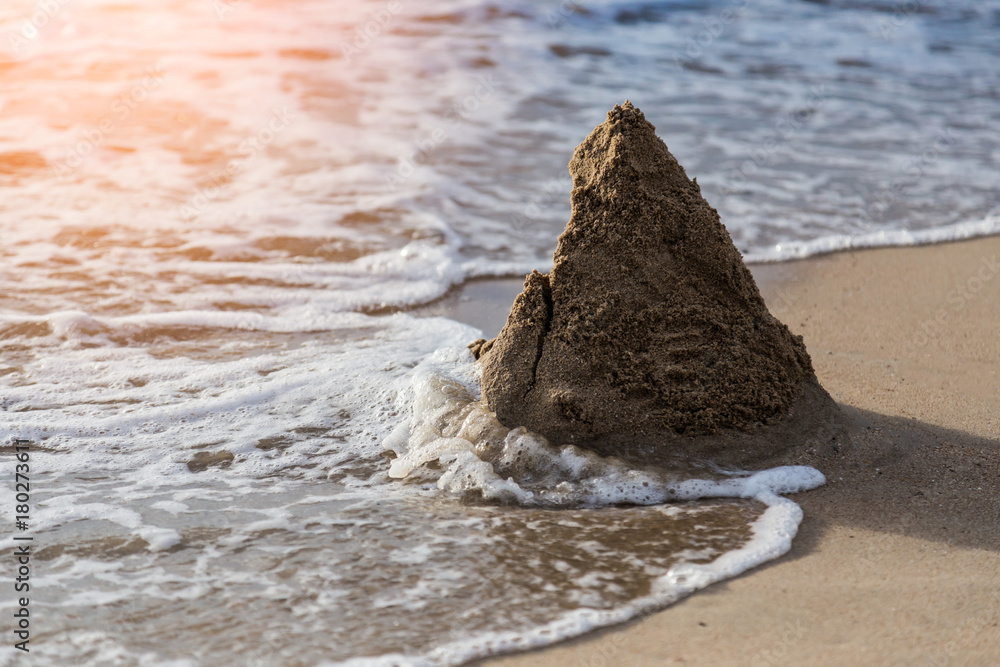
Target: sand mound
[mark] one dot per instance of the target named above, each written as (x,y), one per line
(649,327)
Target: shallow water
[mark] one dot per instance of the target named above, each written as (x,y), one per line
(287,579)
(213,211)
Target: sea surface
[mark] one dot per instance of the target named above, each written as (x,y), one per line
(218,216)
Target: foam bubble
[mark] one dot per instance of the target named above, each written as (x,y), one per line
(451,428)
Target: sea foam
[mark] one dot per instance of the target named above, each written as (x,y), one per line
(452,438)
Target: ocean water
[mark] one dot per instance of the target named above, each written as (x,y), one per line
(217,216)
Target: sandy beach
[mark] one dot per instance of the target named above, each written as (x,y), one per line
(897,561)
(246,247)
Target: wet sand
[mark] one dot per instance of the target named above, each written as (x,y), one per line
(898,558)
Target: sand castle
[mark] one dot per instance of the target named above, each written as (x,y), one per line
(649,335)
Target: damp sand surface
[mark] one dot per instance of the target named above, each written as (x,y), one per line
(897,558)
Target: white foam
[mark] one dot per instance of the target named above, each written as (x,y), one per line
(171,506)
(450,426)
(445,408)
(772,536)
(794,249)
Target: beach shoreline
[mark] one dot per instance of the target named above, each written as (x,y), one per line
(898,558)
